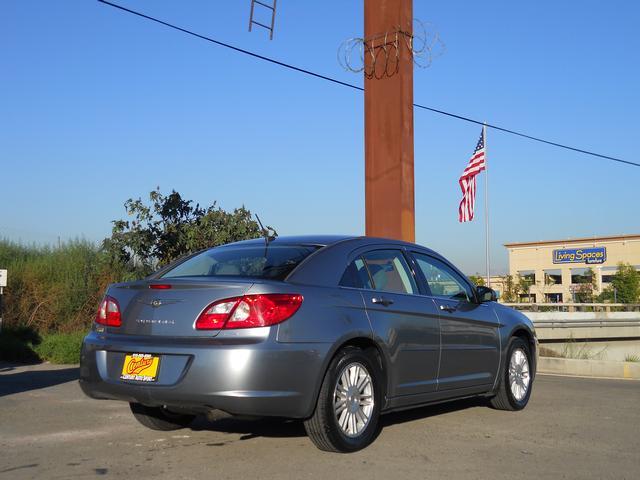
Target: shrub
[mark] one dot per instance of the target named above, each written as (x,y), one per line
(23,344)
(16,345)
(61,347)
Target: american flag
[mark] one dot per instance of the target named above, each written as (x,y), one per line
(468,181)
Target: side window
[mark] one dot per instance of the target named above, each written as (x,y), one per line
(390,272)
(443,281)
(356,275)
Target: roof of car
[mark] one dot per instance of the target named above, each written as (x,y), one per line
(299,240)
(324,240)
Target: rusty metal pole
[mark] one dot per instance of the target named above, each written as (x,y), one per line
(388,130)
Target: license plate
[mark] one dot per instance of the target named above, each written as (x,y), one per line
(141,367)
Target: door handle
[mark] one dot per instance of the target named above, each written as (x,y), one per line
(447,308)
(381,301)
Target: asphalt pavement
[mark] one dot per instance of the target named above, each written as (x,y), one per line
(573,428)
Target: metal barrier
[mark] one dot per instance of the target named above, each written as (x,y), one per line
(583,320)
(575,307)
(586,322)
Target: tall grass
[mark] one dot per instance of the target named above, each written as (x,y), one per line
(55,289)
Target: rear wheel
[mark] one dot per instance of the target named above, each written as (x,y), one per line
(516,381)
(159,418)
(348,407)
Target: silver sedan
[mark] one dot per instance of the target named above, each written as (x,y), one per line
(332,330)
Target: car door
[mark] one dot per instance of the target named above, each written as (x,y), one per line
(405,323)
(470,341)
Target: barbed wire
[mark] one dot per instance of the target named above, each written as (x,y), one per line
(359,54)
(432,44)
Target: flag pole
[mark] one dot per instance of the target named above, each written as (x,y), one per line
(486,203)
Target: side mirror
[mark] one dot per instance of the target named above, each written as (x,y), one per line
(486,294)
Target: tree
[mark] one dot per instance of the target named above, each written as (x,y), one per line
(477,279)
(625,285)
(170,227)
(511,291)
(523,286)
(543,285)
(587,286)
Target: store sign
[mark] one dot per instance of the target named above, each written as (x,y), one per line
(580,255)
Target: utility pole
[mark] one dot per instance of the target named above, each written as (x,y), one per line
(388,130)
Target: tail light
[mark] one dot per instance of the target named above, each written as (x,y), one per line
(109,312)
(249,311)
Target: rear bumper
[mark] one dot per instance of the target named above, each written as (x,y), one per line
(246,375)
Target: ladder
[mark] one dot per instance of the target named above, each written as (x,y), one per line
(273,15)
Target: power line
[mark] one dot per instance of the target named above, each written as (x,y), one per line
(524,135)
(356,87)
(237,49)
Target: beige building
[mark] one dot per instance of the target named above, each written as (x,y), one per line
(556,267)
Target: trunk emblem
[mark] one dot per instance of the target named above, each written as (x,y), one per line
(156,302)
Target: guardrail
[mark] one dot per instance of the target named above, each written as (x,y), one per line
(587,322)
(583,320)
(575,307)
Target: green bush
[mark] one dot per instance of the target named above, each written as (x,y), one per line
(16,345)
(61,347)
(25,345)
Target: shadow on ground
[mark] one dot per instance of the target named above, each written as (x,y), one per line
(431,411)
(25,381)
(250,428)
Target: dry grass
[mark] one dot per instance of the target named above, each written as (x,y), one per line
(578,351)
(54,289)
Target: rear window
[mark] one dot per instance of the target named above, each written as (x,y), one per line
(273,262)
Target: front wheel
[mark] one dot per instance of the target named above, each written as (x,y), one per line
(348,407)
(516,379)
(159,418)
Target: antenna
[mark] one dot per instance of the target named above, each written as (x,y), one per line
(265,231)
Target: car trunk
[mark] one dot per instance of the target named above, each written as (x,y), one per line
(172,309)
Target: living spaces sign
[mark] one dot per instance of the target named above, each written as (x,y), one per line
(589,256)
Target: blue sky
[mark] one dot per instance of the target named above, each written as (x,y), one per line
(99,106)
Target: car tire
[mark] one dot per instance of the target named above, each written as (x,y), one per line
(348,406)
(159,418)
(516,377)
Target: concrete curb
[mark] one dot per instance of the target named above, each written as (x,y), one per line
(589,368)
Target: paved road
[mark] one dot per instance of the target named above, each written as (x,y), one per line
(573,428)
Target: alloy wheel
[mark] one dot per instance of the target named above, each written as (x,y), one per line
(353,399)
(519,377)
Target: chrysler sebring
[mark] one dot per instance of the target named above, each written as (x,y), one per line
(334,331)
